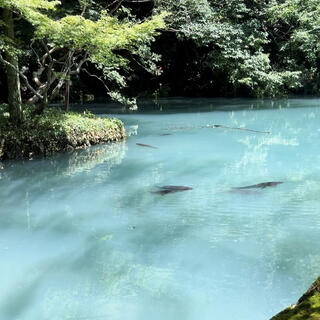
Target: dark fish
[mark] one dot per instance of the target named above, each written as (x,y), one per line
(260,185)
(171,189)
(176,188)
(165,134)
(146,145)
(163,192)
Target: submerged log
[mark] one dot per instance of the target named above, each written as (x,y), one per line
(213,126)
(234,128)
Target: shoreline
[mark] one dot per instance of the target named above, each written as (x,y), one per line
(307,307)
(55,131)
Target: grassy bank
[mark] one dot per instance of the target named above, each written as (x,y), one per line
(54,131)
(307,308)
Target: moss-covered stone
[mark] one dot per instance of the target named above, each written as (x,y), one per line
(55,131)
(307,307)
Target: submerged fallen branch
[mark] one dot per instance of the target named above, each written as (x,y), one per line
(213,126)
(260,185)
(233,128)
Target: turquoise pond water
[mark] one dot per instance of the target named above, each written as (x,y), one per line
(84,236)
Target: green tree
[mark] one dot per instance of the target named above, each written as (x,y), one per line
(11,65)
(296,25)
(9,49)
(231,40)
(63,45)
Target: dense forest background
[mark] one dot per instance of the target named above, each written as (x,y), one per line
(248,48)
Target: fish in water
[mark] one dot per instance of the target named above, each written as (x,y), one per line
(260,185)
(171,189)
(165,134)
(146,145)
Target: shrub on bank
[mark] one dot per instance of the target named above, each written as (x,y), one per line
(54,131)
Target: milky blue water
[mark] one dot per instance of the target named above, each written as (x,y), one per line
(84,235)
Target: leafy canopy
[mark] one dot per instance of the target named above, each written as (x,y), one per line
(101,40)
(234,38)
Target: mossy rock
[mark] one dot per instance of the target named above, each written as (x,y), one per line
(307,307)
(55,131)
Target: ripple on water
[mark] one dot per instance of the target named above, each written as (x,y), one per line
(84,236)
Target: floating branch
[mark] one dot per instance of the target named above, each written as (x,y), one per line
(213,126)
(233,128)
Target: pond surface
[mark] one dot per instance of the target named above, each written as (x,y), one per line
(85,235)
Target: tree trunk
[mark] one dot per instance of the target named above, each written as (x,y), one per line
(45,100)
(67,95)
(42,105)
(14,93)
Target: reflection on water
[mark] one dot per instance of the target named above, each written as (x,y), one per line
(69,163)
(84,236)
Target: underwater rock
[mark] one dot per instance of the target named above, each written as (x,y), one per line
(307,307)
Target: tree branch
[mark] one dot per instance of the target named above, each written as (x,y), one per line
(43,89)
(64,72)
(80,64)
(36,75)
(36,54)
(169,30)
(95,76)
(48,53)
(21,75)
(112,11)
(137,1)
(83,10)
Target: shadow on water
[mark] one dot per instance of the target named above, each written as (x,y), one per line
(45,187)
(67,171)
(190,105)
(18,301)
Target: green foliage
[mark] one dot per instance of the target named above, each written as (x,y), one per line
(225,47)
(32,10)
(233,36)
(308,306)
(297,22)
(99,38)
(255,72)
(100,41)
